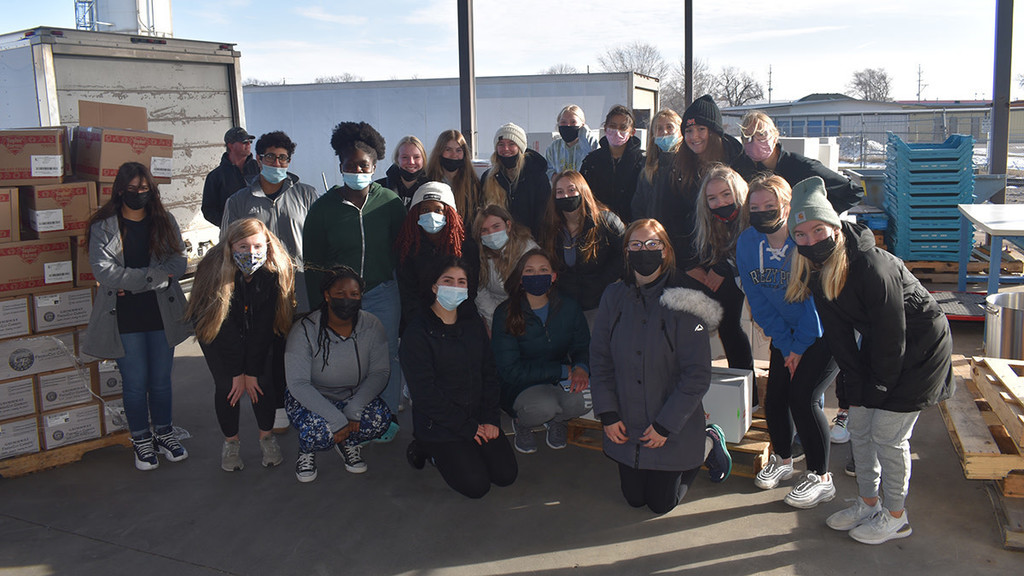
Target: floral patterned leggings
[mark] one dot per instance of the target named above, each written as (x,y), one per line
(315,435)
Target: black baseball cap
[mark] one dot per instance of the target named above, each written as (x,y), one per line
(237,134)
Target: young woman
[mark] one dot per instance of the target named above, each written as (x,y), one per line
(137,255)
(662,143)
(650,358)
(337,364)
(901,366)
(451,162)
(612,170)
(449,366)
(801,365)
(719,222)
(243,295)
(502,243)
(584,239)
(567,151)
(517,178)
(540,339)
(432,232)
(407,172)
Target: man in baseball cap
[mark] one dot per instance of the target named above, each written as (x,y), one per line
(236,171)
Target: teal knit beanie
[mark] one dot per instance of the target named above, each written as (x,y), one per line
(810,202)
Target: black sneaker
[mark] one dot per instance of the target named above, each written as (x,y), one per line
(305,467)
(851,467)
(145,452)
(168,445)
(417,459)
(719,462)
(352,455)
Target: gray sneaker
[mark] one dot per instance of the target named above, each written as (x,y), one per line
(811,491)
(775,471)
(271,451)
(524,442)
(853,516)
(882,527)
(557,435)
(230,459)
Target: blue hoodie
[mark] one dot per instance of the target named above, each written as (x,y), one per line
(764,272)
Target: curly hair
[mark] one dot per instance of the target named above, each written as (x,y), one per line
(276,139)
(162,239)
(348,136)
(453,235)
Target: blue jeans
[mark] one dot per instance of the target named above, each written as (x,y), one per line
(383,302)
(146,373)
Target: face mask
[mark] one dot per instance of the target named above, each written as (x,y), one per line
(451,164)
(537,284)
(766,222)
(616,138)
(818,253)
(726,213)
(569,203)
(136,200)
(645,262)
(569,133)
(495,241)
(432,222)
(357,180)
(410,176)
(249,262)
(345,308)
(666,142)
(449,297)
(759,151)
(509,161)
(273,174)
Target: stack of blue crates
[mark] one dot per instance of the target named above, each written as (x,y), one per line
(923,185)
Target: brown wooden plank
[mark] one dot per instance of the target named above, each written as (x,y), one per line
(1009,514)
(991,376)
(29,463)
(972,438)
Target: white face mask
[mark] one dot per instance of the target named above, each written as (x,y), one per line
(495,241)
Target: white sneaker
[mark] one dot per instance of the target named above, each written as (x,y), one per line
(882,527)
(839,433)
(854,516)
(281,422)
(811,491)
(773,472)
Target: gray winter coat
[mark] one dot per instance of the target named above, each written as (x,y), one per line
(284,215)
(650,360)
(106,257)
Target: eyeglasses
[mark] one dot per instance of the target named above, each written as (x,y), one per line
(652,244)
(271,158)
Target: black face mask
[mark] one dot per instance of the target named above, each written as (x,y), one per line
(136,200)
(645,262)
(345,308)
(726,213)
(410,176)
(509,161)
(569,203)
(569,133)
(766,222)
(818,253)
(451,164)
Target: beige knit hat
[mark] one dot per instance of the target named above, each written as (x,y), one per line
(511,132)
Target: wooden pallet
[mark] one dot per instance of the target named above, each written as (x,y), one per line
(946,272)
(586,433)
(1009,517)
(985,449)
(29,463)
(1001,383)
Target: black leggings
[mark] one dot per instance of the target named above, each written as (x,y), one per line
(659,490)
(227,415)
(470,468)
(799,396)
(280,384)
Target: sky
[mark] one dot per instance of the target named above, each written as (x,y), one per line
(810,45)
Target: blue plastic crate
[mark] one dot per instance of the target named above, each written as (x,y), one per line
(923,213)
(955,147)
(926,200)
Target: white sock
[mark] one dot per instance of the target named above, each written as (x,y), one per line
(708,444)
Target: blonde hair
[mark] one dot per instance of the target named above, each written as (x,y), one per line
(833,272)
(214,283)
(668,254)
(494,192)
(757,121)
(715,240)
(465,185)
(652,148)
(575,110)
(505,259)
(408,140)
(773,184)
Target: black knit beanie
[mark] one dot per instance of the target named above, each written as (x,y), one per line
(704,112)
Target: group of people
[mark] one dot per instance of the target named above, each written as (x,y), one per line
(592,271)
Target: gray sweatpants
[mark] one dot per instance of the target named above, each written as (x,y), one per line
(545,402)
(881,448)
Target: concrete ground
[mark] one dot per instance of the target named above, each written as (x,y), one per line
(564,515)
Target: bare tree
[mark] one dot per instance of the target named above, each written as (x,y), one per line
(346,77)
(737,87)
(258,82)
(560,69)
(673,88)
(1020,80)
(638,57)
(872,84)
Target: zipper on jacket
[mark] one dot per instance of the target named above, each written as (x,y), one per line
(362,232)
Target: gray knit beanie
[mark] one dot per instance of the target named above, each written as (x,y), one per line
(514,133)
(810,202)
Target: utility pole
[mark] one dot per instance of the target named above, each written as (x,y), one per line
(467,75)
(998,140)
(920,85)
(769,83)
(688,51)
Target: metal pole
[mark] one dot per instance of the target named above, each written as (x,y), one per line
(688,49)
(998,142)
(467,75)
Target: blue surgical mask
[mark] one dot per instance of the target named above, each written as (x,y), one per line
(449,297)
(274,174)
(495,241)
(666,142)
(357,180)
(432,222)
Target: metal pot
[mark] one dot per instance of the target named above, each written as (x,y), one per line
(1004,325)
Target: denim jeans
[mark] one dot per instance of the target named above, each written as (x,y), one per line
(146,373)
(383,302)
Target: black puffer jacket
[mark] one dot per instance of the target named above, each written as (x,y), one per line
(392,180)
(243,343)
(614,182)
(903,363)
(528,198)
(793,168)
(586,281)
(222,182)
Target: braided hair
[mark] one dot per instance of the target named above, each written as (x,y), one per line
(332,276)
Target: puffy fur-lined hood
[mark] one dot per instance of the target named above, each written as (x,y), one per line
(693,302)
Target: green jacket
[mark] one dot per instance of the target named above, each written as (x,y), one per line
(336,232)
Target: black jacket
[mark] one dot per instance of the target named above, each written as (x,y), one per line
(393,180)
(418,271)
(529,197)
(243,344)
(586,281)
(222,182)
(903,363)
(614,183)
(793,168)
(451,376)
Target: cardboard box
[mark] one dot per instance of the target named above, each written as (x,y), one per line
(17,398)
(35,265)
(56,310)
(727,402)
(56,210)
(114,419)
(65,388)
(92,113)
(10,230)
(103,193)
(99,152)
(14,317)
(65,427)
(22,357)
(34,156)
(19,437)
(82,268)
(109,381)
